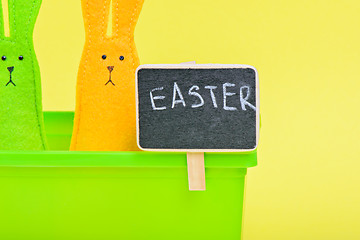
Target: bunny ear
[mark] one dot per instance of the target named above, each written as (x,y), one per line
(2,34)
(23,14)
(96,16)
(125,16)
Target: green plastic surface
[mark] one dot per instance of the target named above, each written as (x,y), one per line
(119,195)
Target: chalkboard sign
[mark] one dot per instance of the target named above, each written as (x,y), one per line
(200,108)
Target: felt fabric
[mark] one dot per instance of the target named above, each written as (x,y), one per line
(105,115)
(21,119)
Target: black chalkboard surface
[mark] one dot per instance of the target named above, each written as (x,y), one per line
(204,108)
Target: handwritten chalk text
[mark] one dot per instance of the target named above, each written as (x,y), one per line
(227,91)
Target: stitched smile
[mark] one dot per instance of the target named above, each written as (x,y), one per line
(10,69)
(109,82)
(110,68)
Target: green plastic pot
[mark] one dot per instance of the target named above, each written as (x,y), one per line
(59,194)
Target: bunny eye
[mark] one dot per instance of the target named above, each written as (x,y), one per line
(103,57)
(121,58)
(21,58)
(3,58)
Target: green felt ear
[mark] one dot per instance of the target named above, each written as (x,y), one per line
(22,17)
(21,117)
(2,35)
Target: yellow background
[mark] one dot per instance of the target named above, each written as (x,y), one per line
(307,53)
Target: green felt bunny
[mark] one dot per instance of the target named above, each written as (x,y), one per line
(21,117)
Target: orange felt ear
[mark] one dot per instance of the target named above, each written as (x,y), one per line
(125,15)
(96,15)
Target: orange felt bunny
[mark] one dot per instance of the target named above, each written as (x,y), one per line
(105,115)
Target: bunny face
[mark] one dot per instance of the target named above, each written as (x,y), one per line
(111,60)
(16,65)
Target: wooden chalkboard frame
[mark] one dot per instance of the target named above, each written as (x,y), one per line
(197,66)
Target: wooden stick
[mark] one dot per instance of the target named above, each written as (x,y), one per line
(196,171)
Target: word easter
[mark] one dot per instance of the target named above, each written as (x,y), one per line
(178,100)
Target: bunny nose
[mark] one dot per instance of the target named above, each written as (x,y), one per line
(11,69)
(110,68)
